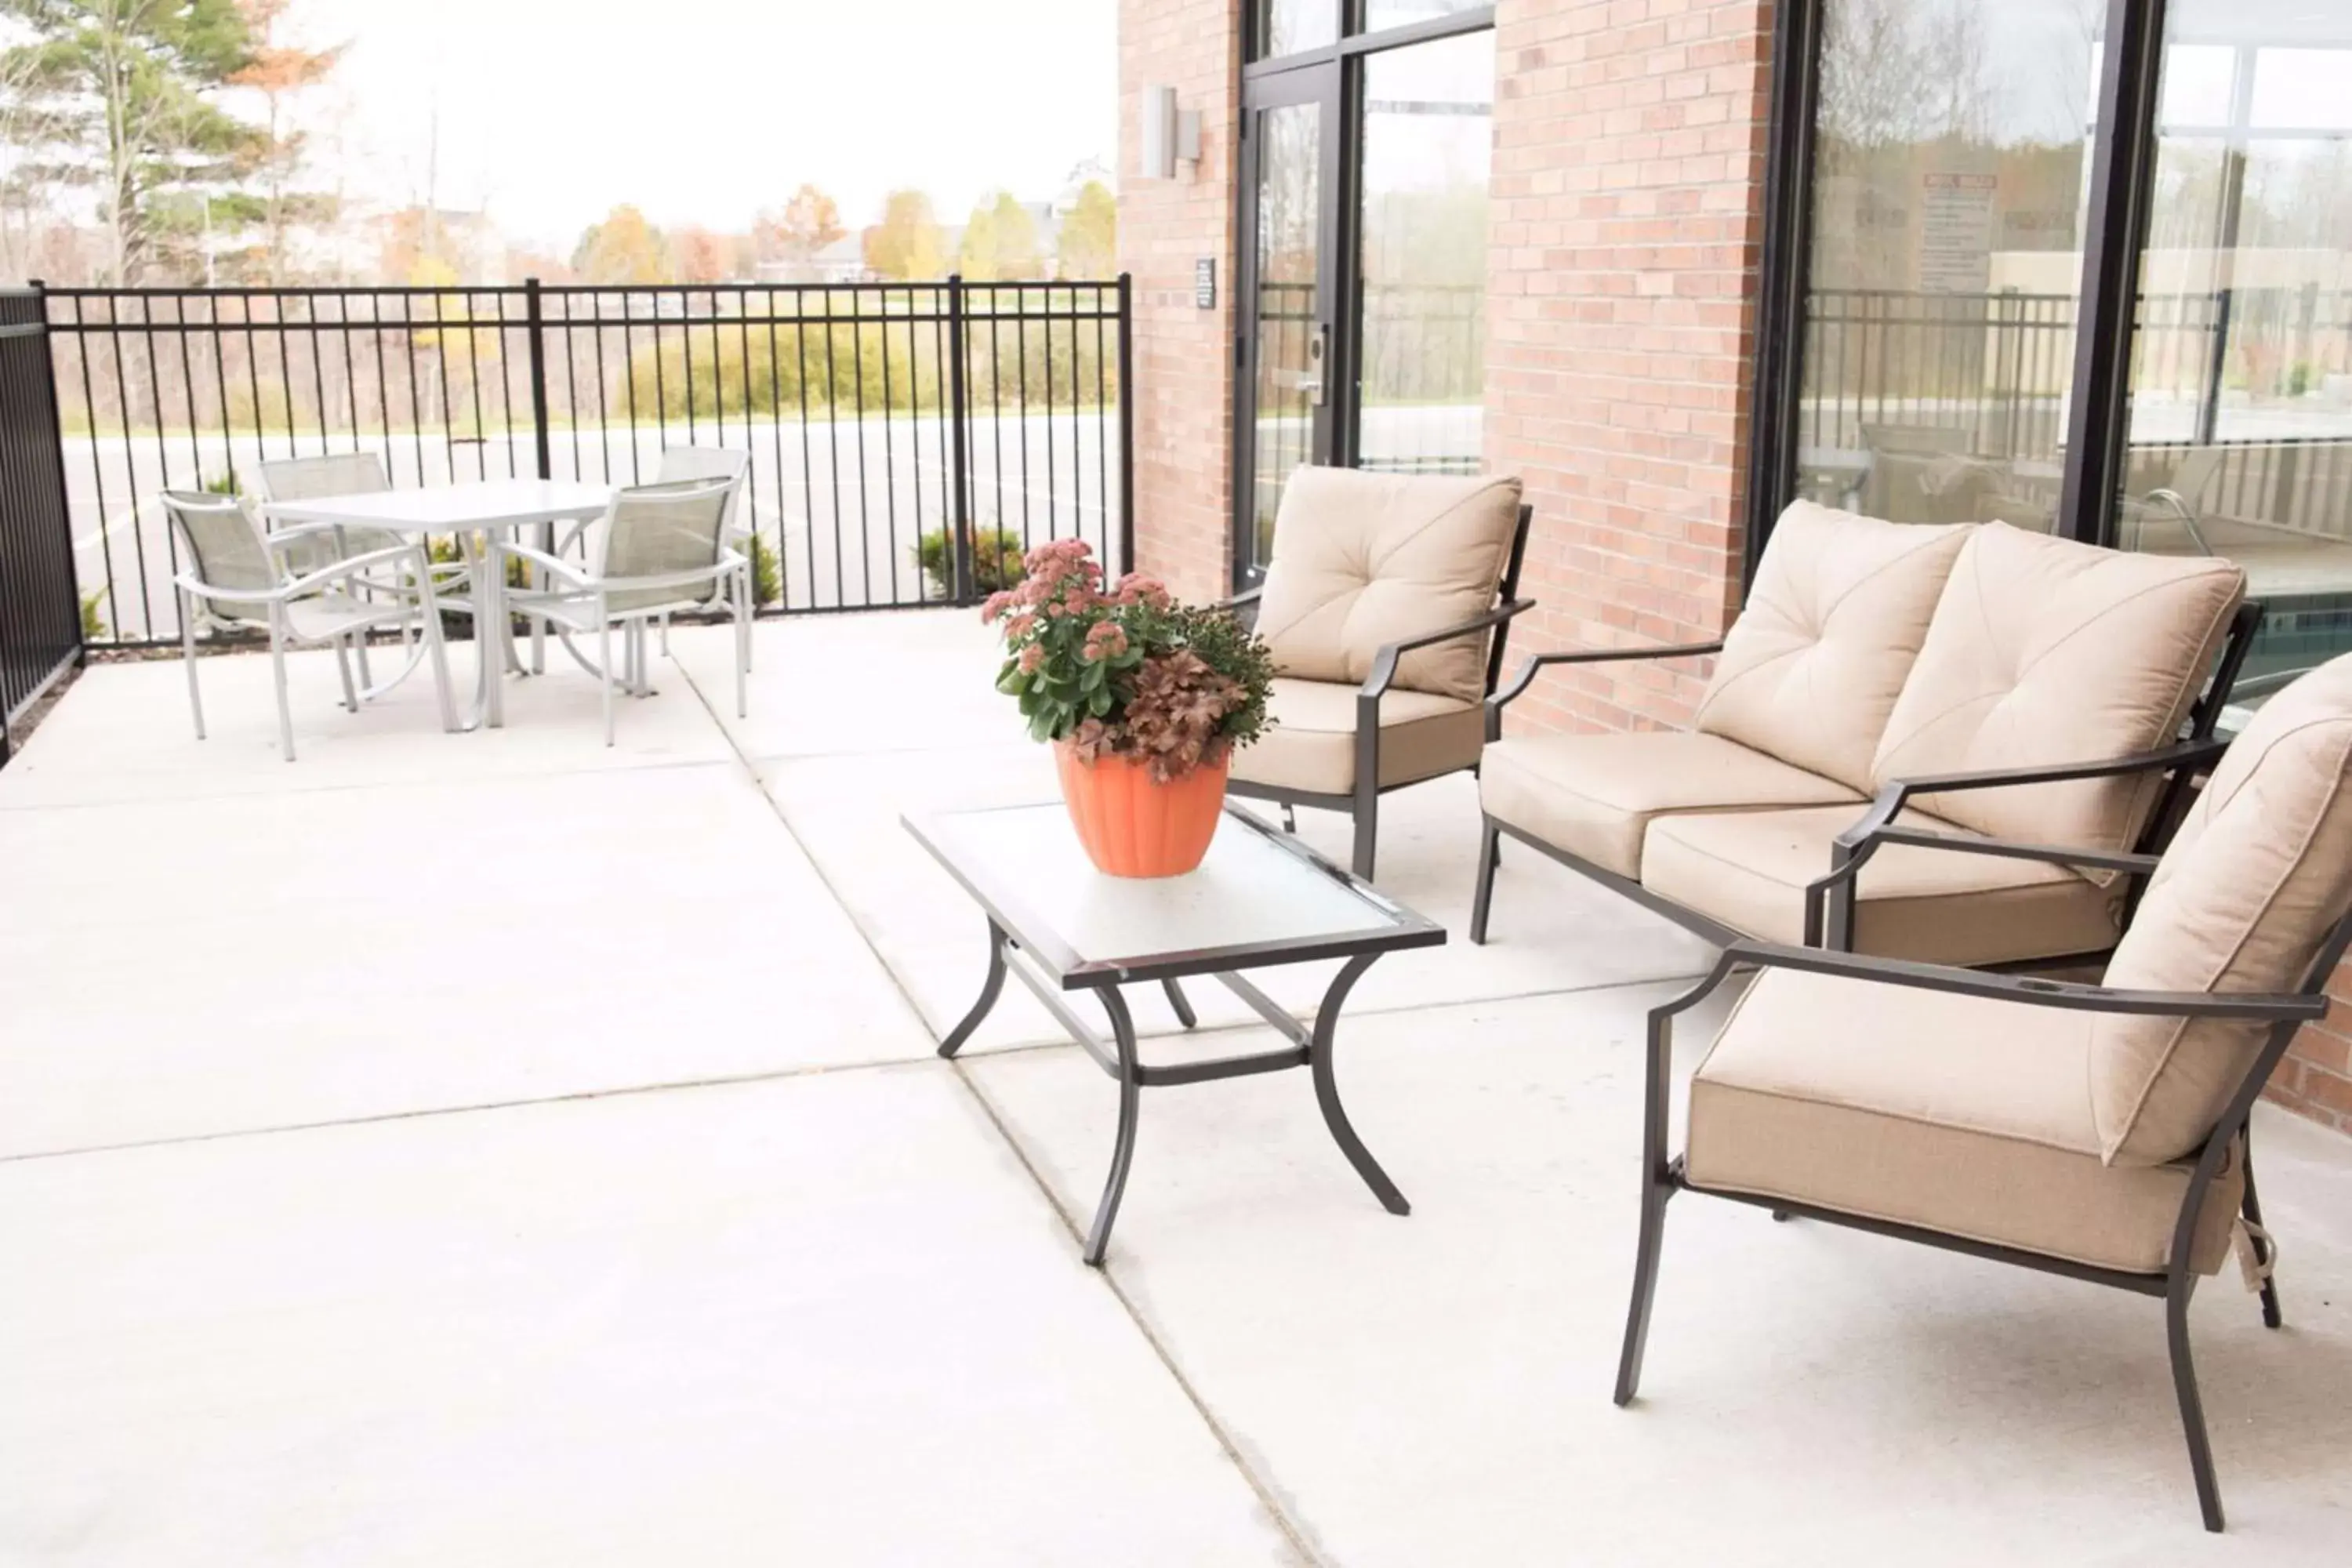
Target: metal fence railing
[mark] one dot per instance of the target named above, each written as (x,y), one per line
(902,436)
(40,615)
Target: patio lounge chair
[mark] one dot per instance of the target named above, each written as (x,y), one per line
(664,548)
(1898,680)
(680,463)
(1387,604)
(236,579)
(2096,1132)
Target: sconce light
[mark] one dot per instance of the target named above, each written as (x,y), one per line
(1170,134)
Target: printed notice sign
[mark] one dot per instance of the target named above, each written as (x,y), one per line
(1956,233)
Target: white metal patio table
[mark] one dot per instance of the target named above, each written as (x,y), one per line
(1260,899)
(485,507)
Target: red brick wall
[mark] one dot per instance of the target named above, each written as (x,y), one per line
(1627,226)
(2316,1080)
(1183,417)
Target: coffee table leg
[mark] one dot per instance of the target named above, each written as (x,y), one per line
(1130,1093)
(1183,1006)
(990,989)
(1327,1088)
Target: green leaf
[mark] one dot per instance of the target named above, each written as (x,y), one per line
(1099,703)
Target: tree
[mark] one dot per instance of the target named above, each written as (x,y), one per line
(624,249)
(999,242)
(115,91)
(810,222)
(1088,246)
(278,72)
(907,243)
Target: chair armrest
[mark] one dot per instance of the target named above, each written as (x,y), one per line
(351,567)
(1384,662)
(1243,606)
(2033,990)
(1526,674)
(562,568)
(685,579)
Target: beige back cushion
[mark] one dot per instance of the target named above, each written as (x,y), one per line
(2259,874)
(1362,559)
(1810,671)
(2041,651)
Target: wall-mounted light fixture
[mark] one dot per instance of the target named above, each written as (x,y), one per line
(1170,135)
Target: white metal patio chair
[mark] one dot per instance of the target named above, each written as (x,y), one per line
(237,578)
(664,548)
(351,474)
(682,464)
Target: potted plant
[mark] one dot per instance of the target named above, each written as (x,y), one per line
(1143,700)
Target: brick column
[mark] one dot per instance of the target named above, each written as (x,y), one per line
(1627,224)
(1184,392)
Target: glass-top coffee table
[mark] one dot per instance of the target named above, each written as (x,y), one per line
(1260,899)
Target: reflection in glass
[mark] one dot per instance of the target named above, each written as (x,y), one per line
(1287,26)
(1380,14)
(2240,421)
(1946,256)
(1428,140)
(1289,306)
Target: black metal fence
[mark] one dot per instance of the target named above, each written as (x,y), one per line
(903,436)
(40,617)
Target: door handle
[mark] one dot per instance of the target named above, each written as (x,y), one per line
(1313,379)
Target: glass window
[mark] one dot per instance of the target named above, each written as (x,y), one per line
(1428,140)
(1287,26)
(2240,428)
(1380,14)
(1950,163)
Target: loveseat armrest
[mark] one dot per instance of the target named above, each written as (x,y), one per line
(1384,662)
(1897,793)
(1854,852)
(1525,675)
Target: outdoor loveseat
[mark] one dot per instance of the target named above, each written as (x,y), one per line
(1386,605)
(1889,684)
(2097,1131)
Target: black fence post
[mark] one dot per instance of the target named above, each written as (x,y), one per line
(1126,422)
(537,330)
(960,465)
(40,600)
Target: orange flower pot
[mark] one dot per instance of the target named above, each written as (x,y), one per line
(1133,826)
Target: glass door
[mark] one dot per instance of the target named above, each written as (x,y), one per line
(1290,177)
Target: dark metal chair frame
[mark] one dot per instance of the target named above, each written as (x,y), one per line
(1363,804)
(1829,904)
(1665,1175)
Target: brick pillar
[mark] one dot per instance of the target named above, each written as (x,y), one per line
(1627,226)
(1183,356)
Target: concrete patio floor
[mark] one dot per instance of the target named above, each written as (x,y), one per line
(495,1149)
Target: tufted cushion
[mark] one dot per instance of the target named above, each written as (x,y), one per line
(1363,560)
(2043,650)
(1810,670)
(1593,795)
(1311,745)
(1749,870)
(1954,1113)
(2258,874)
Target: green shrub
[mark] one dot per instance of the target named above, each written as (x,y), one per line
(995,560)
(767,573)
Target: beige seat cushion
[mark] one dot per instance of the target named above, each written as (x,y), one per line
(2044,651)
(1954,1114)
(1811,668)
(1592,796)
(1362,559)
(1749,870)
(1312,744)
(2256,878)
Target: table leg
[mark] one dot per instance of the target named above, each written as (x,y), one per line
(1327,1088)
(490,634)
(990,989)
(1130,1092)
(1183,1006)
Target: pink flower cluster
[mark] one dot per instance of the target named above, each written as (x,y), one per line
(1063,579)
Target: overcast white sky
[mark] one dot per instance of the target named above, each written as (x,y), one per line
(705,110)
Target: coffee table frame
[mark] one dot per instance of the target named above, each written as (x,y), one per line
(1028,948)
